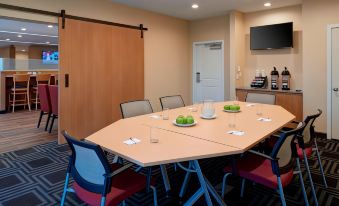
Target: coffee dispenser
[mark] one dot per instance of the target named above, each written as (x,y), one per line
(274,79)
(286,80)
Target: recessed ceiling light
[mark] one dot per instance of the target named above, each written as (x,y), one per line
(195,6)
(47,42)
(8,39)
(23,29)
(19,36)
(268,4)
(50,26)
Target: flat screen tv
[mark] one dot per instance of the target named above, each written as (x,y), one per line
(50,57)
(276,36)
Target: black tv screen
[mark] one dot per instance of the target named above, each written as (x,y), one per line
(276,36)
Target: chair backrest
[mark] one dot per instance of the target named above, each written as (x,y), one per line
(309,133)
(135,108)
(53,92)
(43,78)
(44,96)
(21,80)
(172,102)
(285,150)
(56,79)
(88,166)
(260,98)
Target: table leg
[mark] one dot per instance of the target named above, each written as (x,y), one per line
(165,178)
(205,188)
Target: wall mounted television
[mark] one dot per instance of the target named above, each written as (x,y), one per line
(276,36)
(50,57)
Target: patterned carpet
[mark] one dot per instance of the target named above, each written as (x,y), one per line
(35,176)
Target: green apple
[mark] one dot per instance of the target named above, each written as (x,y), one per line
(233,107)
(190,119)
(227,107)
(180,120)
(184,120)
(237,107)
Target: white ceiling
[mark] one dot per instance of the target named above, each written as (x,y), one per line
(207,8)
(36,33)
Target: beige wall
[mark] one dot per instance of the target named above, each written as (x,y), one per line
(166,49)
(215,28)
(316,16)
(266,59)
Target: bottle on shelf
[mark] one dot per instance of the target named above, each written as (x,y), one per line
(286,80)
(274,79)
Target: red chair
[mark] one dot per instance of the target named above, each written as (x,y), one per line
(53,91)
(96,182)
(45,103)
(275,170)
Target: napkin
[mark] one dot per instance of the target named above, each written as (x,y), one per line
(155,116)
(235,132)
(132,140)
(262,119)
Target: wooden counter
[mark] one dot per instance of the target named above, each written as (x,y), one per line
(5,75)
(291,100)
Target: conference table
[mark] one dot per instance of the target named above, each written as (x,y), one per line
(227,134)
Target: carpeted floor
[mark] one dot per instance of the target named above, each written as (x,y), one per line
(35,176)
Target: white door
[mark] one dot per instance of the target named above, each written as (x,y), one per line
(208,71)
(335,83)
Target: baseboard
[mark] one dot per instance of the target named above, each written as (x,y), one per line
(3,111)
(321,135)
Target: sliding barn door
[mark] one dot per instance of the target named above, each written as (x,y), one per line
(100,67)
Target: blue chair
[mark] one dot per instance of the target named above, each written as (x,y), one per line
(275,170)
(96,182)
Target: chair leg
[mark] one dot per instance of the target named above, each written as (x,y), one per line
(41,114)
(13,102)
(281,192)
(25,102)
(28,101)
(165,178)
(310,178)
(36,100)
(51,126)
(320,164)
(47,122)
(65,190)
(103,201)
(242,187)
(223,188)
(302,182)
(155,197)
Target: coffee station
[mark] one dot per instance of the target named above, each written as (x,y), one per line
(279,84)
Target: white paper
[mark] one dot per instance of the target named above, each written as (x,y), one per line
(235,132)
(155,116)
(132,140)
(250,105)
(262,119)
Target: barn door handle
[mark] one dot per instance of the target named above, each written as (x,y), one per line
(335,89)
(198,77)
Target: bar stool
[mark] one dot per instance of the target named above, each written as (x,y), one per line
(40,79)
(20,88)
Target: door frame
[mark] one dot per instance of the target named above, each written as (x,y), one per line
(194,65)
(329,79)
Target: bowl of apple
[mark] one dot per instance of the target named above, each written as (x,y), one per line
(232,108)
(182,121)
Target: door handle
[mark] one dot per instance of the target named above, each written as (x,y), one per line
(335,89)
(66,80)
(198,77)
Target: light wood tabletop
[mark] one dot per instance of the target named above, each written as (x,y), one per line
(209,138)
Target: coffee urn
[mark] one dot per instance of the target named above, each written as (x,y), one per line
(286,80)
(274,79)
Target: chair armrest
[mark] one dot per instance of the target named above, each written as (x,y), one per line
(262,155)
(118,171)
